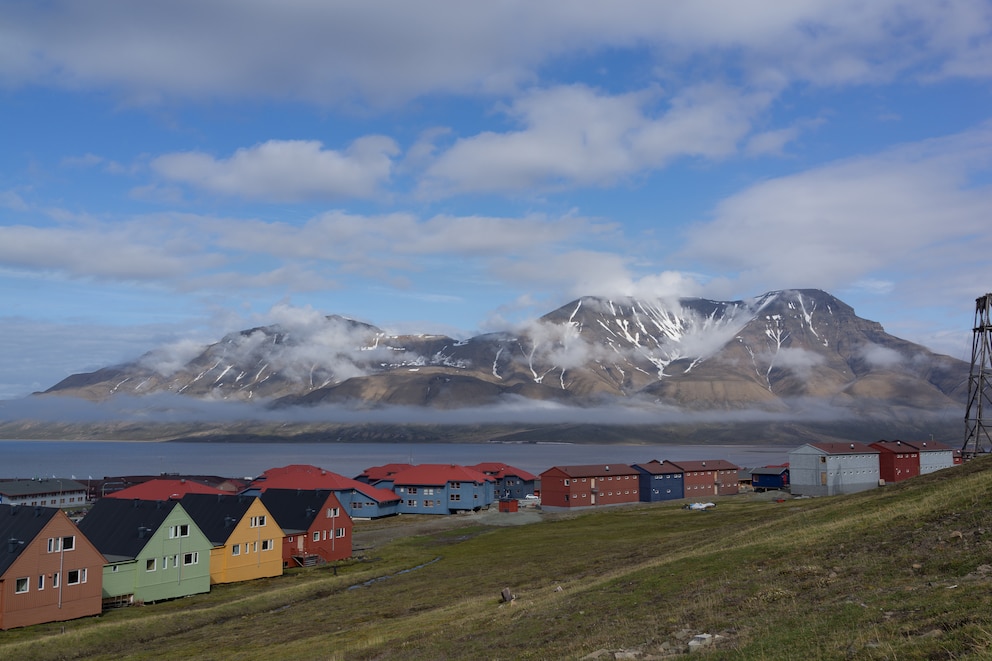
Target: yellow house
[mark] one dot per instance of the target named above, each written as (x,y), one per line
(247,541)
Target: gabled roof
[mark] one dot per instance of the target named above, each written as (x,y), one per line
(384,472)
(120,529)
(305,476)
(707,465)
(594,470)
(163,489)
(438,475)
(19,525)
(216,516)
(500,470)
(844,448)
(770,470)
(295,509)
(21,488)
(930,446)
(894,446)
(657,468)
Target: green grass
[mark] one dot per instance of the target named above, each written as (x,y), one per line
(903,572)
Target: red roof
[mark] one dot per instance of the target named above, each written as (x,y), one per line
(499,470)
(384,472)
(307,477)
(894,446)
(163,489)
(438,475)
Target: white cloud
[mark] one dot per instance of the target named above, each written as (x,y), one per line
(286,170)
(847,223)
(879,356)
(329,52)
(575,136)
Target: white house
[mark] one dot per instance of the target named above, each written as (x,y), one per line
(828,469)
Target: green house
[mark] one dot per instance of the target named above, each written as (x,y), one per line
(154,550)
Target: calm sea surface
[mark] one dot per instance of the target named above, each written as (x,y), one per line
(97,459)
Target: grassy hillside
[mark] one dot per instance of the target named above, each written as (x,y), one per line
(903,572)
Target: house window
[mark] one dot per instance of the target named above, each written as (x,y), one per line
(411,503)
(340,532)
(236,549)
(191,558)
(429,491)
(76,576)
(258,521)
(175,561)
(150,564)
(41,582)
(54,544)
(21,586)
(411,489)
(55,580)
(566,483)
(68,543)
(267,544)
(456,496)
(316,536)
(179,531)
(456,485)
(333,512)
(357,505)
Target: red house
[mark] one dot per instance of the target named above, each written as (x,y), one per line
(49,571)
(897,461)
(713,477)
(315,527)
(589,486)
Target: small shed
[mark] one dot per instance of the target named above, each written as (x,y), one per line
(508,505)
(770,477)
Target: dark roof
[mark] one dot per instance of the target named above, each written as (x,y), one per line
(20,488)
(120,528)
(20,524)
(295,509)
(707,465)
(770,470)
(844,448)
(216,516)
(657,468)
(594,470)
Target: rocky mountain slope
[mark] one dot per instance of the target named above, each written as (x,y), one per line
(770,353)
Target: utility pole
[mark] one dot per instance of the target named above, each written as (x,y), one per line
(976,434)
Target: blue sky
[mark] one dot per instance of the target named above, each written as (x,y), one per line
(173,171)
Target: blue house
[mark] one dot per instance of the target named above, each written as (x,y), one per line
(660,481)
(511,482)
(770,477)
(441,489)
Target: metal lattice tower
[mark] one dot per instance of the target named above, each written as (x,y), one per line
(976,434)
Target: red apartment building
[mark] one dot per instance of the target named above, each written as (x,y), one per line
(589,486)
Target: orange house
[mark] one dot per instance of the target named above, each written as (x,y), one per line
(247,541)
(49,571)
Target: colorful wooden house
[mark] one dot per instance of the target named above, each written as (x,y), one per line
(441,489)
(511,482)
(154,550)
(659,481)
(359,499)
(316,529)
(49,570)
(764,478)
(827,469)
(569,487)
(897,461)
(712,477)
(246,540)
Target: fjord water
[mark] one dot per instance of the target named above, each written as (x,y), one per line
(97,459)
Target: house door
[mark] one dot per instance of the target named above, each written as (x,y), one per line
(592,491)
